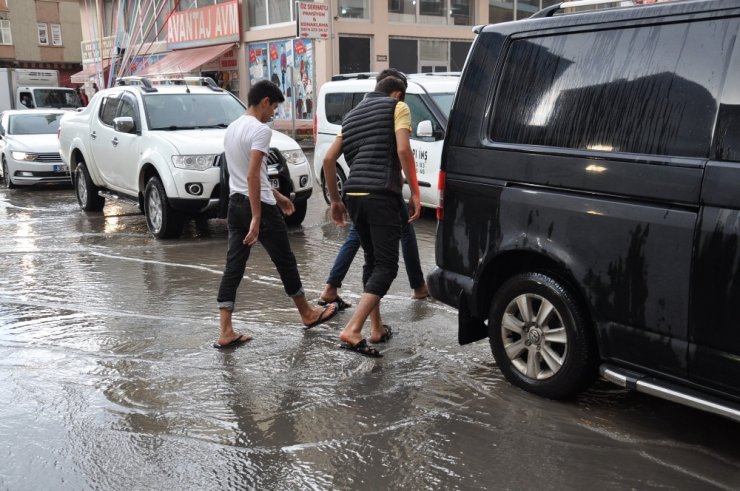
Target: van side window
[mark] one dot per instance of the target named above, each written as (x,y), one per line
(419,112)
(589,91)
(338,104)
(727,133)
(108,110)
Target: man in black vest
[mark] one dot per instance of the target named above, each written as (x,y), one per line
(376,145)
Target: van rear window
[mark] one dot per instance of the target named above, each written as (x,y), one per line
(648,90)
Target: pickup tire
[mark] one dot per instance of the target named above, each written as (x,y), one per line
(163,221)
(7,180)
(340,184)
(86,191)
(541,337)
(299,214)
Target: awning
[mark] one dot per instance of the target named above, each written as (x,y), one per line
(87,72)
(184,61)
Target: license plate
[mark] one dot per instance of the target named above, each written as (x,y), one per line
(60,168)
(275,183)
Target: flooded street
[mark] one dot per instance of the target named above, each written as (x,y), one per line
(108,379)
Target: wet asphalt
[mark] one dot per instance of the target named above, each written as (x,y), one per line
(108,379)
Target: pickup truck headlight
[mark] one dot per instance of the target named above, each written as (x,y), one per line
(23,156)
(293,157)
(193,162)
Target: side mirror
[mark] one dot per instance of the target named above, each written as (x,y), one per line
(424,129)
(124,124)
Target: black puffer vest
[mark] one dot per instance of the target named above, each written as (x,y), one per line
(369,146)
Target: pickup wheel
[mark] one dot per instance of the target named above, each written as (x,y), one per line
(86,191)
(340,184)
(163,221)
(541,338)
(299,214)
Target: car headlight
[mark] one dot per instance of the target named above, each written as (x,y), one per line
(23,155)
(193,162)
(294,157)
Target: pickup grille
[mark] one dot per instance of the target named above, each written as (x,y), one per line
(48,157)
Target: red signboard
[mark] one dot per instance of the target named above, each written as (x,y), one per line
(215,24)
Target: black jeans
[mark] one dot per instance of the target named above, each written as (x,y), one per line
(376,218)
(274,238)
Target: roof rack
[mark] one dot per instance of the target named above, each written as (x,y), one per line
(143,82)
(435,74)
(192,81)
(577,6)
(356,76)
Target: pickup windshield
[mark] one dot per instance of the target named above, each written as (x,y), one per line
(34,124)
(59,98)
(172,112)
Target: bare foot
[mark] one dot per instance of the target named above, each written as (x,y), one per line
(319,315)
(231,342)
(348,338)
(381,334)
(329,293)
(421,293)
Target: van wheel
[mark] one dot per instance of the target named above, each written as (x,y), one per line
(340,184)
(299,214)
(86,191)
(163,221)
(7,180)
(541,338)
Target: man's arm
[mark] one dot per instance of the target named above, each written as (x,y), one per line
(254,187)
(338,211)
(403,147)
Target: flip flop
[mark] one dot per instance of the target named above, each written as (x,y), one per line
(362,348)
(387,335)
(233,344)
(341,304)
(322,317)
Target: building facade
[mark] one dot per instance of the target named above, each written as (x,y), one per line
(41,34)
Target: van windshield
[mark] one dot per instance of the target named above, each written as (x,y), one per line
(443,102)
(34,124)
(189,111)
(59,98)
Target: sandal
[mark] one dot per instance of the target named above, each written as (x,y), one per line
(387,335)
(323,317)
(362,348)
(341,304)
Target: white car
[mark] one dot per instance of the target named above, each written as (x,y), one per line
(429,96)
(161,148)
(30,152)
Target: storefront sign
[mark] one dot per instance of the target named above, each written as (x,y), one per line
(313,20)
(215,24)
(91,52)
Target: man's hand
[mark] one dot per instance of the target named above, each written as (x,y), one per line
(339,213)
(254,232)
(414,208)
(284,203)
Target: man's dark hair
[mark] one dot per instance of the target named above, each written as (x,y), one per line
(392,72)
(391,84)
(262,89)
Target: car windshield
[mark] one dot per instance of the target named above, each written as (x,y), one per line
(190,111)
(444,102)
(34,124)
(62,98)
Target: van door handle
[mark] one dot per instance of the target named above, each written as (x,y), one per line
(114,141)
(93,135)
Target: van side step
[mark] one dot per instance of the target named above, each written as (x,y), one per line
(109,195)
(670,392)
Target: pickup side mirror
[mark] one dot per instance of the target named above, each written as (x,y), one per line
(124,124)
(424,129)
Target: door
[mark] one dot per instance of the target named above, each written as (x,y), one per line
(126,148)
(427,150)
(101,134)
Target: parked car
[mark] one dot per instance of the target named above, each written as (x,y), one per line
(429,96)
(30,153)
(160,148)
(591,214)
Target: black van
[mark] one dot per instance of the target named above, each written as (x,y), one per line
(590,213)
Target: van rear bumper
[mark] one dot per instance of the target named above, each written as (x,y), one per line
(447,286)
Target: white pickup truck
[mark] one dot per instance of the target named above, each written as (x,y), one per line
(161,148)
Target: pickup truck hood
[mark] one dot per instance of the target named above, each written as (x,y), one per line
(200,142)
(33,143)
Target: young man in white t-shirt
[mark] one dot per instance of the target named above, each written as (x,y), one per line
(255,214)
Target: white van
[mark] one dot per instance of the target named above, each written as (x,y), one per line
(429,96)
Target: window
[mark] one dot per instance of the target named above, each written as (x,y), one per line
(43,32)
(506,10)
(354,55)
(267,12)
(452,12)
(404,54)
(419,112)
(5,36)
(338,104)
(108,109)
(598,91)
(56,34)
(128,109)
(353,9)
(427,55)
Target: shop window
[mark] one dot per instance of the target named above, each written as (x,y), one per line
(354,55)
(451,12)
(505,11)
(353,9)
(404,54)
(458,54)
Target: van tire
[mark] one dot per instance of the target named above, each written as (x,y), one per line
(299,214)
(554,357)
(86,191)
(163,221)
(341,178)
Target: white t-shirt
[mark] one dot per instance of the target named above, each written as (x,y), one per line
(243,135)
